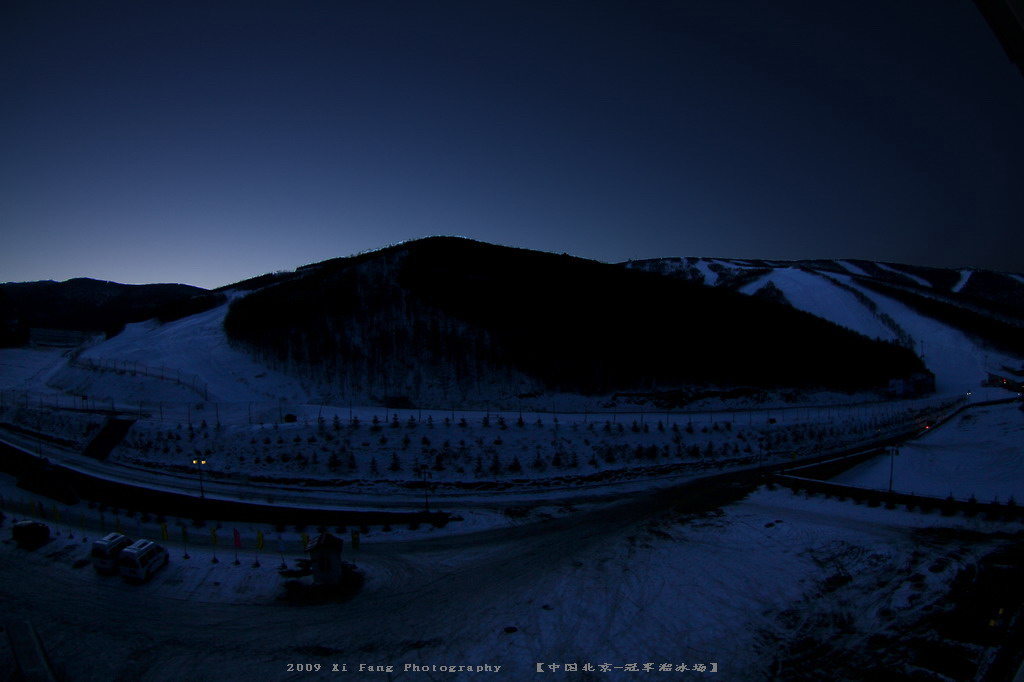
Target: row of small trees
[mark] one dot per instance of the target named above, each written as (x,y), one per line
(458,450)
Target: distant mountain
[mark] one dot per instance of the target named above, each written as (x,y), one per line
(91,305)
(446,319)
(988,306)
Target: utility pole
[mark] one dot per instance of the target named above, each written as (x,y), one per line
(893,451)
(421,469)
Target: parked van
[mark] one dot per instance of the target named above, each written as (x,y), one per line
(106,550)
(141,559)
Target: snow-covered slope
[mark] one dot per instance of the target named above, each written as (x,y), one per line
(190,359)
(836,291)
(187,359)
(812,293)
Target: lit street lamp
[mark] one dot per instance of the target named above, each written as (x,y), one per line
(200,462)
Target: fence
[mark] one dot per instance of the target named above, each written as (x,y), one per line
(134,368)
(948,506)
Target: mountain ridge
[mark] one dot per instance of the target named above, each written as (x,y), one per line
(458,328)
(448,315)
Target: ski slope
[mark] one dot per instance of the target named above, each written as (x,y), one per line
(814,294)
(194,347)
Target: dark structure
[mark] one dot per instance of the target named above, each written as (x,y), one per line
(1009,380)
(918,383)
(1006,18)
(325,559)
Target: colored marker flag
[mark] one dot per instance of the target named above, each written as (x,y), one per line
(238,539)
(163,532)
(305,541)
(213,536)
(259,539)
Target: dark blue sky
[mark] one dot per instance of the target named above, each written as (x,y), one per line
(206,142)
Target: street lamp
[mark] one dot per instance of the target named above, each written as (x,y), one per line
(893,451)
(424,474)
(200,462)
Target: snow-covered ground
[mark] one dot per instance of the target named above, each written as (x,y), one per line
(960,363)
(459,452)
(710,276)
(189,352)
(777,586)
(850,267)
(814,294)
(27,369)
(965,276)
(981,453)
(906,275)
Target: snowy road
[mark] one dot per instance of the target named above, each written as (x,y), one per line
(644,581)
(978,454)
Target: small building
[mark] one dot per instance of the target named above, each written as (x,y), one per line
(1007,379)
(919,383)
(58,338)
(325,559)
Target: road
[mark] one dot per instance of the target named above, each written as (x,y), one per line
(616,582)
(594,584)
(439,595)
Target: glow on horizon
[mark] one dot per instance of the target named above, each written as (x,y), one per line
(209,145)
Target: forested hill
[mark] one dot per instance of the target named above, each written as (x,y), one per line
(91,305)
(446,319)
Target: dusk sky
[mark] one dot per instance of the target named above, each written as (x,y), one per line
(208,142)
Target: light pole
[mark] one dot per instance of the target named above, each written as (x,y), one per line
(421,470)
(893,451)
(200,462)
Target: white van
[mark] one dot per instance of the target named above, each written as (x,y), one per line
(106,550)
(141,559)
